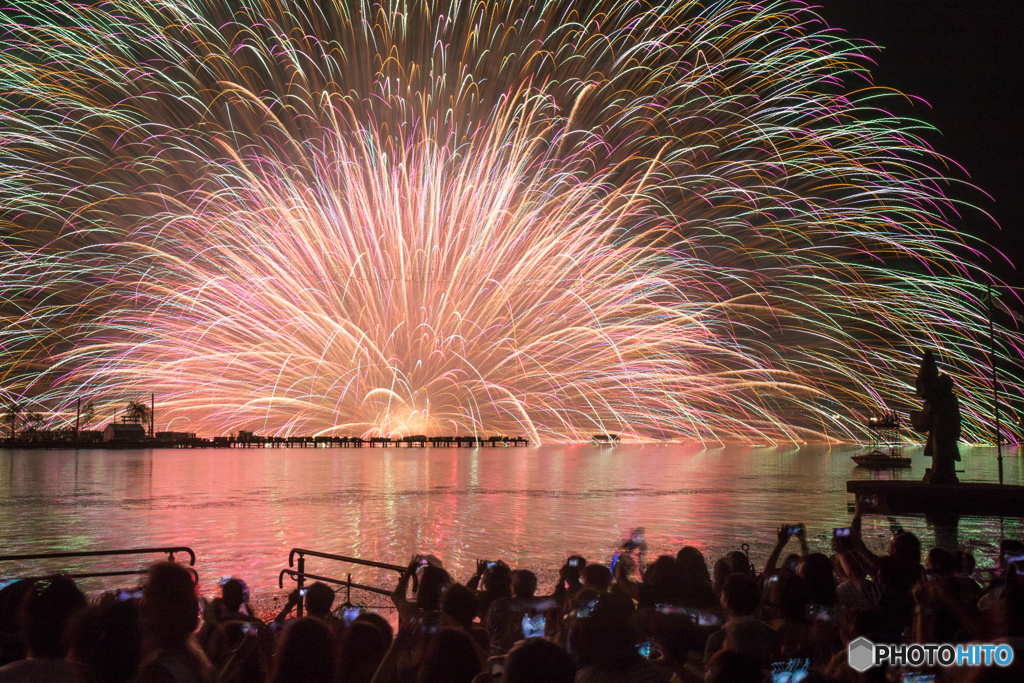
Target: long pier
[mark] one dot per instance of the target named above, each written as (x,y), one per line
(171,440)
(416,441)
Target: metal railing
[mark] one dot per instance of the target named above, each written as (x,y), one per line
(170,552)
(297,559)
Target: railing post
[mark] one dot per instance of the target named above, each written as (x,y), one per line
(348,591)
(301,581)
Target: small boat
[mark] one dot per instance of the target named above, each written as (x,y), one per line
(605,438)
(883,454)
(878,459)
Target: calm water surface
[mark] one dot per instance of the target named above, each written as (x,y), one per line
(243,510)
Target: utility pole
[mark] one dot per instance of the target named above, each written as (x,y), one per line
(995,382)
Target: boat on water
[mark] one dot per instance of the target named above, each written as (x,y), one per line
(883,453)
(605,438)
(879,459)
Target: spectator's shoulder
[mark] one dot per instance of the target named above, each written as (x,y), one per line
(48,670)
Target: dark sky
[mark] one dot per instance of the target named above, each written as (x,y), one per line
(966,59)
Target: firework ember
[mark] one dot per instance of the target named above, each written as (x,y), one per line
(670,221)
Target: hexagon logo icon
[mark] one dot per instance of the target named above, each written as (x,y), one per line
(861,654)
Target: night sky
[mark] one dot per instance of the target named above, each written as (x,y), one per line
(966,59)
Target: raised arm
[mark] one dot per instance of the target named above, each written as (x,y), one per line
(782,538)
(868,558)
(622,580)
(398,596)
(474,581)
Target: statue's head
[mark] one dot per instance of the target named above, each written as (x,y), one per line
(928,376)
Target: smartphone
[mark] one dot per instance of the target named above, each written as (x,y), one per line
(585,610)
(705,618)
(1014,559)
(774,578)
(249,628)
(841,532)
(698,616)
(790,670)
(870,501)
(820,613)
(351,614)
(573,562)
(615,561)
(128,595)
(533,626)
(644,649)
(916,677)
(302,592)
(491,565)
(794,529)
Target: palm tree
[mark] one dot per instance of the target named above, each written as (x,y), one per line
(88,412)
(11,411)
(32,421)
(136,412)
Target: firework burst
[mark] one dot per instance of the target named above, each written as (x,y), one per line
(679,220)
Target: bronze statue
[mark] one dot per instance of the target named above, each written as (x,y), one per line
(940,419)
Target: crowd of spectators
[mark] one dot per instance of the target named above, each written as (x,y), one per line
(672,619)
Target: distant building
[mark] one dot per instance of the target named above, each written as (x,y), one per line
(175,437)
(124,433)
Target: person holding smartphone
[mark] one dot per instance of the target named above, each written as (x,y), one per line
(432,581)
(496,577)
(569,579)
(784,534)
(232,605)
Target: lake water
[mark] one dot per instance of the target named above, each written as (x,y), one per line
(243,510)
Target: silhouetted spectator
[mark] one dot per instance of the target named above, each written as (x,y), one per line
(379,623)
(596,576)
(227,607)
(45,618)
(661,583)
(432,581)
(236,654)
(12,644)
(536,660)
(694,579)
(1008,547)
(742,631)
(569,579)
(451,657)
(604,644)
(496,579)
(674,637)
(730,666)
(107,641)
(304,654)
(819,580)
(461,604)
(360,652)
(169,615)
